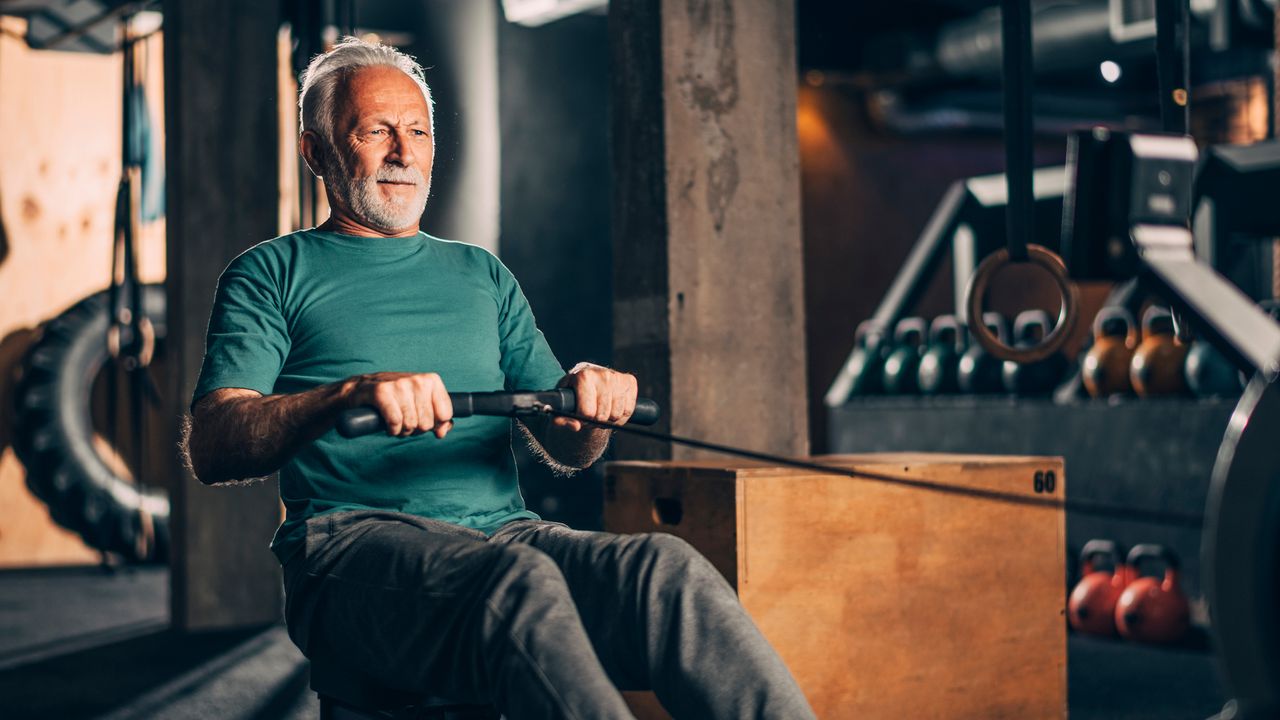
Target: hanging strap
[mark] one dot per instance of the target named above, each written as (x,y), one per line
(1015,33)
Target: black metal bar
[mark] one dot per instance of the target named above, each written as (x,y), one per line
(1015,33)
(1172,64)
(1218,310)
(913,279)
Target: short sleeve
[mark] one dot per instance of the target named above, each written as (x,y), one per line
(527,360)
(248,339)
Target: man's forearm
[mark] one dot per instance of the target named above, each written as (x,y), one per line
(241,438)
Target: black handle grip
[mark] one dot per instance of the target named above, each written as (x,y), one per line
(366,421)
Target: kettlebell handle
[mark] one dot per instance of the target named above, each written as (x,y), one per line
(1111,312)
(869,334)
(1028,319)
(1150,551)
(942,325)
(1106,548)
(908,326)
(995,323)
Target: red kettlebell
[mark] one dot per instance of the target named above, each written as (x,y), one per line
(1092,606)
(1153,610)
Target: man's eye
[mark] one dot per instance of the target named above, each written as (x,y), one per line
(420,133)
(378,131)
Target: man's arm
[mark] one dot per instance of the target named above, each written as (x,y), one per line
(603,394)
(239,434)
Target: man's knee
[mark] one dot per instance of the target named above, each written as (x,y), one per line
(525,568)
(676,560)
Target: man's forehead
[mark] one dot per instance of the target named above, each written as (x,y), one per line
(380,89)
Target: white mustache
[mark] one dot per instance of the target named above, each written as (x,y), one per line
(390,173)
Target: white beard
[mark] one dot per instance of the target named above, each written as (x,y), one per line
(365,199)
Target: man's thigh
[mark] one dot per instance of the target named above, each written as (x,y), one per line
(398,596)
(614,580)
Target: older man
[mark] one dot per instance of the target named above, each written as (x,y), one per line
(411,555)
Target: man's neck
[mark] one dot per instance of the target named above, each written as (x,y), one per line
(345,224)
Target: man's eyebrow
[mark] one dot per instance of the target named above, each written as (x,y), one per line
(385,120)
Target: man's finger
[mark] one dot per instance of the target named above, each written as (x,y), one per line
(604,401)
(388,406)
(409,411)
(442,409)
(630,389)
(565,422)
(587,400)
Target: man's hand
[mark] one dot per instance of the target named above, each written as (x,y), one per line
(410,403)
(603,394)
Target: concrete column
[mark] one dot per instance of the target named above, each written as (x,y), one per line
(221,160)
(708,282)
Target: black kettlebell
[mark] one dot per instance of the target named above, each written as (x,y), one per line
(939,366)
(901,367)
(1209,373)
(978,372)
(1042,376)
(867,364)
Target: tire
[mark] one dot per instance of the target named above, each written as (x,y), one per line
(53,435)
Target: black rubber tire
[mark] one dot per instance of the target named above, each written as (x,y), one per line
(53,433)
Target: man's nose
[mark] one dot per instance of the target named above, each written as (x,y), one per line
(401,149)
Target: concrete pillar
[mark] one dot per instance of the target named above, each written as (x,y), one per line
(708,282)
(221,160)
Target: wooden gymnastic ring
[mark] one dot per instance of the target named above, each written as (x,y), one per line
(976,292)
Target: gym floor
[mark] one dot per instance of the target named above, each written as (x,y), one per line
(105,633)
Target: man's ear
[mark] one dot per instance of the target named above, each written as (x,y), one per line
(313,151)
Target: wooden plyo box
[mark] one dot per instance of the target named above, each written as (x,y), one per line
(884,601)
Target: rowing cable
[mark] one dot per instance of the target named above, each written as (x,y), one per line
(1083,507)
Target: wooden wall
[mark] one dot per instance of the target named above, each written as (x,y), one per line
(60,145)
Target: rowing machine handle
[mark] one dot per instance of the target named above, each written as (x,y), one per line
(366,420)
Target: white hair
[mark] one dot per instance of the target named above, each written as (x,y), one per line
(317,96)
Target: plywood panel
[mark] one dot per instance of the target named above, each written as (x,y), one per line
(884,601)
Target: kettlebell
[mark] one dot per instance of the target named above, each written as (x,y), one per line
(1091,608)
(1208,372)
(1042,376)
(901,367)
(1156,368)
(939,372)
(867,363)
(1105,368)
(978,372)
(1153,610)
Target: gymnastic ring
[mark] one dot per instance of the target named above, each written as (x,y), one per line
(53,433)
(976,292)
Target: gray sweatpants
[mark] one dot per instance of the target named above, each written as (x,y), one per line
(541,620)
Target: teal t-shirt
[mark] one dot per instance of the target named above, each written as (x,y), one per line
(315,307)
